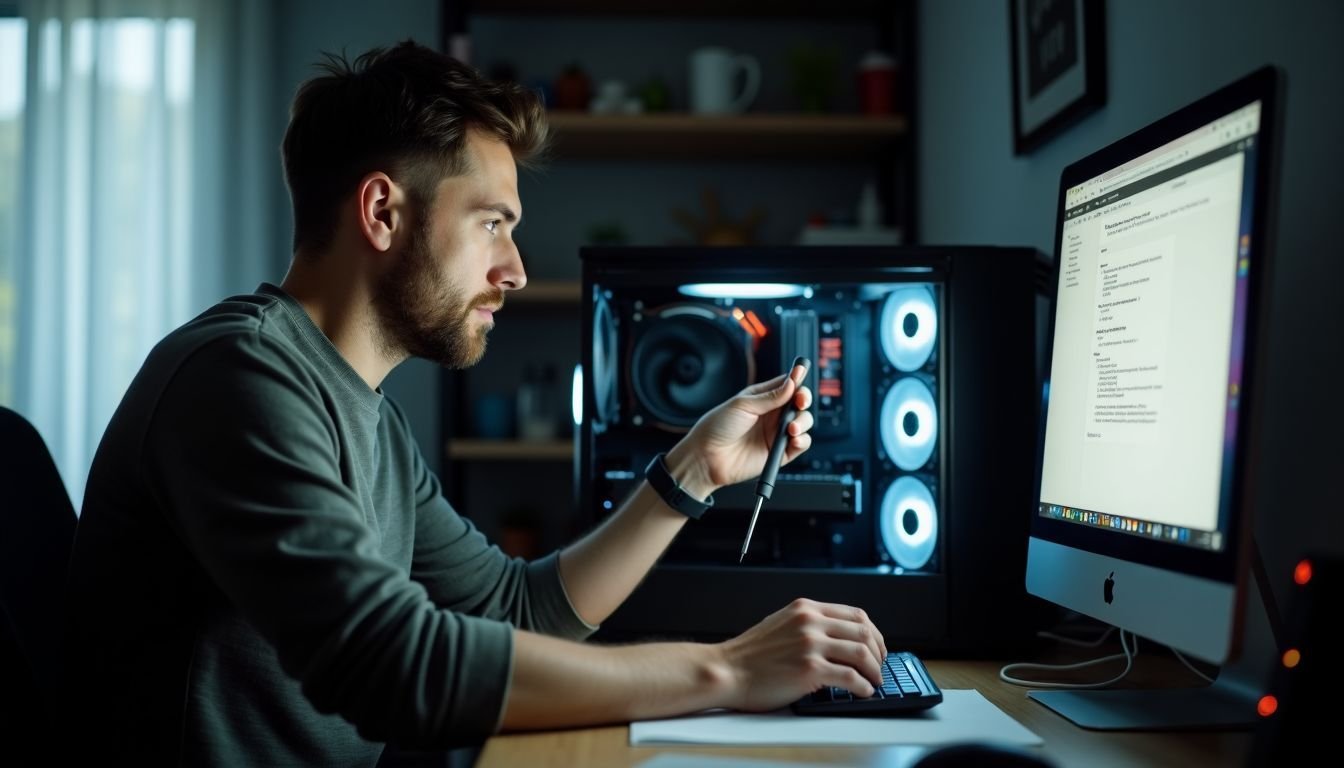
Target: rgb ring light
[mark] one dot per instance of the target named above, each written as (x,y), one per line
(605,362)
(909,424)
(909,523)
(909,327)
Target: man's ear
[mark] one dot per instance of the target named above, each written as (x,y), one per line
(381,207)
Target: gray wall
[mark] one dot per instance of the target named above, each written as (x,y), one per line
(306,28)
(1160,56)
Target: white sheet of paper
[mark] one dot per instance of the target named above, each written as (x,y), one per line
(964,715)
(903,758)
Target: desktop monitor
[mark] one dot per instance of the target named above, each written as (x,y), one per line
(1161,263)
(924,375)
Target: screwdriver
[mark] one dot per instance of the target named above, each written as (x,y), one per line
(766,485)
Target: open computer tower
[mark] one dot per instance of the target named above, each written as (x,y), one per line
(914,499)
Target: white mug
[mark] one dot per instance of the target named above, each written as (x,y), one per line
(713,80)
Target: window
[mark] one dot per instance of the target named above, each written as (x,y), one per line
(13,55)
(96,189)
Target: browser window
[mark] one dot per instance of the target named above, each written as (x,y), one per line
(1147,299)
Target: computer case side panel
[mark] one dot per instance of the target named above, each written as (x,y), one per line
(910,503)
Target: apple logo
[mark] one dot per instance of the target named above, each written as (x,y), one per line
(1108,588)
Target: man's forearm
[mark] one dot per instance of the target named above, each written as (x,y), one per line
(604,567)
(558,683)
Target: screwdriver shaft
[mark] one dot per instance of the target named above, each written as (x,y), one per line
(747,541)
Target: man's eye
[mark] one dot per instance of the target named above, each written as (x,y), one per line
(492,225)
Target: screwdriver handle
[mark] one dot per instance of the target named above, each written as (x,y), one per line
(766,485)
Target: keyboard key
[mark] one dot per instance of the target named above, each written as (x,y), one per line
(906,687)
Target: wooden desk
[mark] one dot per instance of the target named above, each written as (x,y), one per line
(1065,744)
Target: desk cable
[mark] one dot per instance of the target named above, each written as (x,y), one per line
(1005,674)
(1191,667)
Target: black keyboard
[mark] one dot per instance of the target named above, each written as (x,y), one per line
(906,687)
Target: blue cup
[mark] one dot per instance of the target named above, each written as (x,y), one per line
(492,417)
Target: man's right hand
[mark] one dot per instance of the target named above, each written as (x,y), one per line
(796,650)
(803,647)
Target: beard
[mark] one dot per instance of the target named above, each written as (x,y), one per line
(424,315)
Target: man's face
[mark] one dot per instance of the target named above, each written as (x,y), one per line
(439,299)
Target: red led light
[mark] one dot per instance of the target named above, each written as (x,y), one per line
(1292,657)
(1302,573)
(1268,705)
(757,327)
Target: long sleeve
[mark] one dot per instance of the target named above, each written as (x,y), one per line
(463,572)
(250,465)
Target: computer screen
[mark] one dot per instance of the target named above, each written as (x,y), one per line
(1142,516)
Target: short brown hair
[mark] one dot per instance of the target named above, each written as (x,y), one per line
(405,111)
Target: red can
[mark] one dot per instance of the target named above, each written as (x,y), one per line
(877,84)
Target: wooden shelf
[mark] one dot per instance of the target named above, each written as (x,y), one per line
(544,292)
(677,135)
(753,9)
(510,450)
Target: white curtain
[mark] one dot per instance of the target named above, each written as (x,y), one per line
(144,195)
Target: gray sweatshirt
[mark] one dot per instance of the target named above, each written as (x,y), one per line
(266,573)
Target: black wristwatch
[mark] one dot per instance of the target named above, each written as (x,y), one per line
(674,495)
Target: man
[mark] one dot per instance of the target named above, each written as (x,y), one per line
(265,571)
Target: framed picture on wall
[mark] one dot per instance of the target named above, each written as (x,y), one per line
(1059,66)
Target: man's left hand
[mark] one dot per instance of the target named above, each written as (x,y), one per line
(730,443)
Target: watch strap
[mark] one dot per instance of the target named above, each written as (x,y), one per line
(676,497)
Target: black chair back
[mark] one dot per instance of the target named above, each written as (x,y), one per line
(37,530)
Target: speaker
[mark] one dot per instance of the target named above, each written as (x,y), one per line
(914,499)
